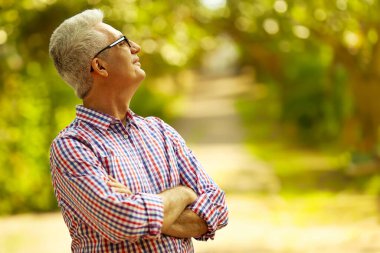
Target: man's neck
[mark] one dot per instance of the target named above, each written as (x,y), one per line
(116,107)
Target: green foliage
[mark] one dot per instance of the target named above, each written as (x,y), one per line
(324,57)
(314,98)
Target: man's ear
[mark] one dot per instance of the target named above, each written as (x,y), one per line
(99,67)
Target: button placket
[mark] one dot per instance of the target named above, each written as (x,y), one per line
(127,136)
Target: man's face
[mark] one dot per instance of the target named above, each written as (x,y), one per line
(123,65)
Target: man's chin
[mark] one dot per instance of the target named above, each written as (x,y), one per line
(142,74)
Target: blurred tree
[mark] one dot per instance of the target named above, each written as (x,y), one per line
(324,55)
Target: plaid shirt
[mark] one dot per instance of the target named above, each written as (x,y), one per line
(148,156)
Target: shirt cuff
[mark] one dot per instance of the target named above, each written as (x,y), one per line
(155,214)
(204,208)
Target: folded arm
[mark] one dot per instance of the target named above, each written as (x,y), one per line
(177,222)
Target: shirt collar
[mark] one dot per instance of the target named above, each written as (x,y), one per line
(131,118)
(100,120)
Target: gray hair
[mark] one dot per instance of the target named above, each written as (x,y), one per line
(72,46)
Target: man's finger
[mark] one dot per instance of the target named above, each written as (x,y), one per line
(121,190)
(112,179)
(118,187)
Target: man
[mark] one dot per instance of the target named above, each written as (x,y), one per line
(124,183)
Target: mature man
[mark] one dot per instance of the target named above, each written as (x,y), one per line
(124,183)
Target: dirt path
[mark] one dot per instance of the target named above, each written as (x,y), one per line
(212,128)
(258,223)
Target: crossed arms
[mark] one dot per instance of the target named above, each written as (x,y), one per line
(178,221)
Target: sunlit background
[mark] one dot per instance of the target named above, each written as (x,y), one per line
(278,99)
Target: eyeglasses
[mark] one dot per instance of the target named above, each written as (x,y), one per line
(114,44)
(118,41)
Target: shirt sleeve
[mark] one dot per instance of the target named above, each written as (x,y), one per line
(210,204)
(80,181)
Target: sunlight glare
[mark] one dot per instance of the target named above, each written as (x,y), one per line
(213,4)
(352,39)
(3,37)
(280,6)
(173,55)
(301,32)
(271,26)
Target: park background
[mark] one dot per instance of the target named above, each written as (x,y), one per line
(279,99)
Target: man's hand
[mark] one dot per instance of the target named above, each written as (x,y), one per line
(175,201)
(188,224)
(118,187)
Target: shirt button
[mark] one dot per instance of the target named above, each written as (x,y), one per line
(125,136)
(141,165)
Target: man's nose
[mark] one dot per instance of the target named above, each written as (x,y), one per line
(135,48)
